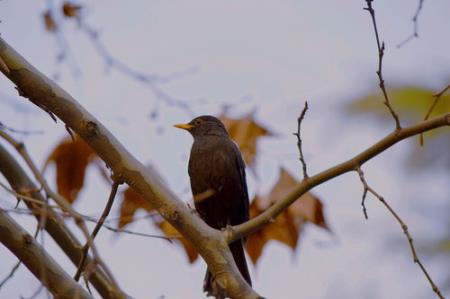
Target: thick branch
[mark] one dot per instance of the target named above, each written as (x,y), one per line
(210,243)
(54,225)
(268,215)
(34,257)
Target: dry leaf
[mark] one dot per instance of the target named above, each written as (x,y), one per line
(170,231)
(287,226)
(71,10)
(71,159)
(245,132)
(49,22)
(131,202)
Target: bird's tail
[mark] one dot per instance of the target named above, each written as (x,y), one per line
(237,249)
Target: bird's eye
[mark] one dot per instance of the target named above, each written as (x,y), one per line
(197,122)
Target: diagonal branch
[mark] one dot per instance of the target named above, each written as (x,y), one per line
(36,259)
(404,227)
(61,201)
(55,226)
(381,48)
(266,217)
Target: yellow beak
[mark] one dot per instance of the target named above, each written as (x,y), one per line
(184,126)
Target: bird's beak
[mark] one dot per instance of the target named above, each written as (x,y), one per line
(186,127)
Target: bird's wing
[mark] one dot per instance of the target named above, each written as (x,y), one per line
(228,179)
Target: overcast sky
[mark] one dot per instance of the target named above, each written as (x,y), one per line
(262,56)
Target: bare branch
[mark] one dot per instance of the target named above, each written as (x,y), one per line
(19,242)
(54,225)
(415,21)
(149,80)
(436,98)
(23,132)
(404,227)
(60,200)
(97,228)
(10,274)
(381,48)
(256,223)
(299,140)
(92,219)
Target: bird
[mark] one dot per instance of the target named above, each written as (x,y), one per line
(219,188)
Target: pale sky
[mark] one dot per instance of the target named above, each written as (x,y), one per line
(263,56)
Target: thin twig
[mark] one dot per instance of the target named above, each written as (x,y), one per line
(365,191)
(436,98)
(404,228)
(11,274)
(381,48)
(92,219)
(97,228)
(415,21)
(23,132)
(299,140)
(35,293)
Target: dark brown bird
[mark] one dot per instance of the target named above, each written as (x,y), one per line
(218,184)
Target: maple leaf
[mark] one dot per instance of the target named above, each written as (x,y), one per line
(171,232)
(245,132)
(287,227)
(71,157)
(49,21)
(131,202)
(71,10)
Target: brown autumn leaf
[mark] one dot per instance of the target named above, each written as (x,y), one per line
(287,226)
(131,202)
(71,157)
(170,231)
(71,10)
(49,21)
(245,132)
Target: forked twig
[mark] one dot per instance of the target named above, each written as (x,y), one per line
(415,21)
(368,189)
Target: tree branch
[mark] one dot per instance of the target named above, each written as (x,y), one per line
(404,227)
(415,21)
(54,225)
(211,244)
(97,228)
(299,140)
(381,48)
(264,218)
(61,201)
(34,257)
(436,99)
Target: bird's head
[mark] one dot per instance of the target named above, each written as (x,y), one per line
(204,125)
